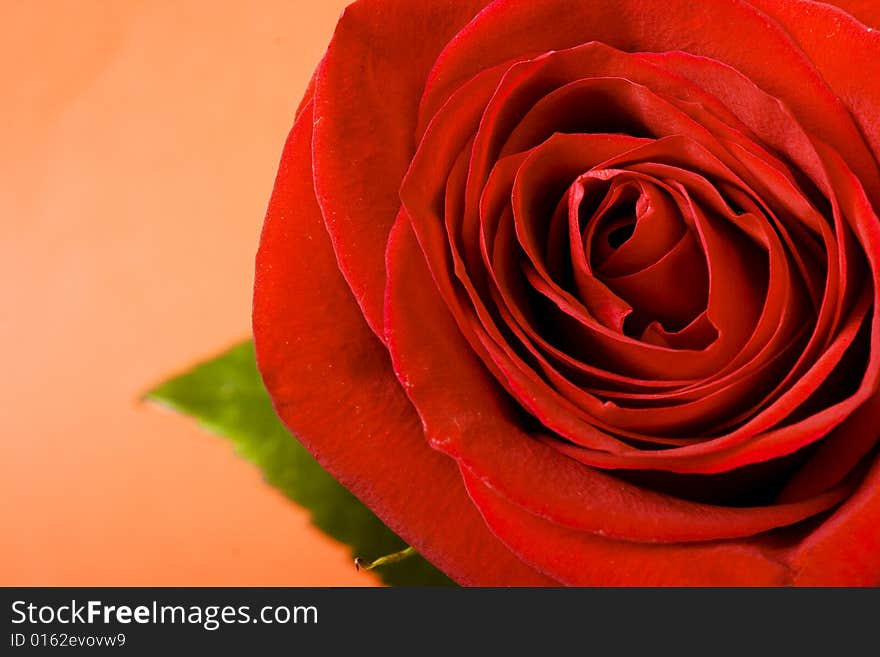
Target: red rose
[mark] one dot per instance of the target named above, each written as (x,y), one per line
(586,292)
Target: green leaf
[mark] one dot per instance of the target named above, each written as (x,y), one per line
(226,395)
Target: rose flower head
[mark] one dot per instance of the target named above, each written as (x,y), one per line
(584,292)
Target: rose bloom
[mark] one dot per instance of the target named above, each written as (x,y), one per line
(585,292)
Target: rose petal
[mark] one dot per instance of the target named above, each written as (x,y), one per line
(468,416)
(331,382)
(838,46)
(583,559)
(867,11)
(723,31)
(843,551)
(366,103)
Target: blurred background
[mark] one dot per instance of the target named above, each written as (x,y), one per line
(139,143)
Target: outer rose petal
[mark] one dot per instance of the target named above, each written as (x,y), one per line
(583,559)
(331,382)
(843,551)
(839,47)
(366,101)
(867,11)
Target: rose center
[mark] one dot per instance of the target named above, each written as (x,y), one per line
(641,253)
(620,235)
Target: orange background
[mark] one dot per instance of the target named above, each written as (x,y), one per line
(138,146)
